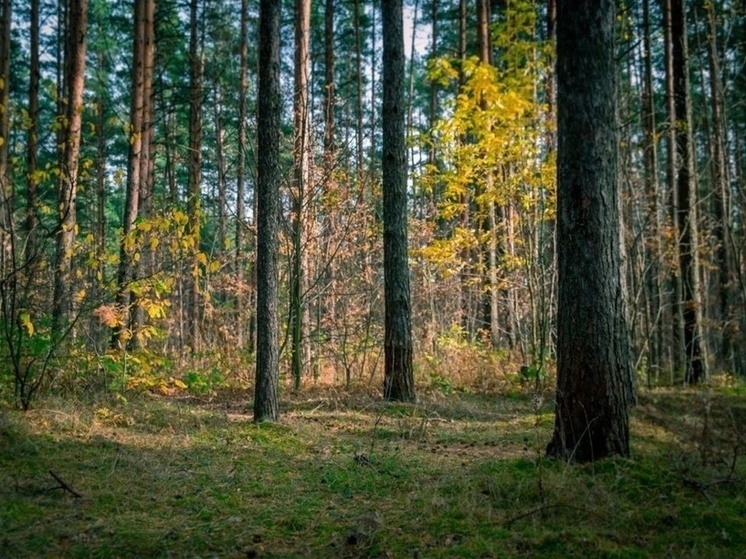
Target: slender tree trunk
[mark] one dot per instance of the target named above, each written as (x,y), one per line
(432,112)
(359,85)
(266,389)
(298,323)
(650,148)
(721,197)
(678,347)
(399,376)
(686,210)
(6,189)
(329,89)
(220,168)
(194,193)
(62,302)
(127,247)
(594,372)
(241,299)
(32,143)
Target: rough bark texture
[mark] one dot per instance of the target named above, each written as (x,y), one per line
(298,310)
(399,377)
(266,398)
(594,384)
(62,305)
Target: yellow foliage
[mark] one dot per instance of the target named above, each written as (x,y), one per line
(25,319)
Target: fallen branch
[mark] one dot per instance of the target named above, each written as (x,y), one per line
(65,486)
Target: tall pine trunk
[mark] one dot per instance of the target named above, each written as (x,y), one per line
(686,208)
(398,373)
(266,389)
(62,302)
(594,372)
(301,154)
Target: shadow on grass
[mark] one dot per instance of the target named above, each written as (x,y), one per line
(160,478)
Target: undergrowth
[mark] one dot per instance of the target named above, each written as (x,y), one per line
(344,475)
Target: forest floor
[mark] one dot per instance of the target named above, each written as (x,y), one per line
(345,475)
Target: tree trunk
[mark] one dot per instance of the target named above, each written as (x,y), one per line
(654,206)
(127,248)
(220,169)
(266,390)
(194,192)
(6,189)
(686,210)
(62,302)
(721,198)
(678,349)
(241,301)
(399,376)
(359,97)
(32,149)
(594,376)
(299,322)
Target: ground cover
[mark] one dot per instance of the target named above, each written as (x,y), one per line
(345,475)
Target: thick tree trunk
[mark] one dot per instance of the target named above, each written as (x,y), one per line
(399,376)
(266,389)
(594,382)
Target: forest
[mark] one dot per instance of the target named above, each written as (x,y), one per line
(393,278)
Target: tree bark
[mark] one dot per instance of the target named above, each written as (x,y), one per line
(594,376)
(266,390)
(6,189)
(399,376)
(298,315)
(721,198)
(32,149)
(686,210)
(194,192)
(677,324)
(656,252)
(241,172)
(127,247)
(62,302)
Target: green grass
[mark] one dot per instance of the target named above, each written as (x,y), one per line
(453,476)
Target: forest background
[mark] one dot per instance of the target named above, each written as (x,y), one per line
(129,181)
(145,225)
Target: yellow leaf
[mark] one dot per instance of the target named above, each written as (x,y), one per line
(202,258)
(180,384)
(25,320)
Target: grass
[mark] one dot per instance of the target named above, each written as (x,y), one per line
(452,476)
